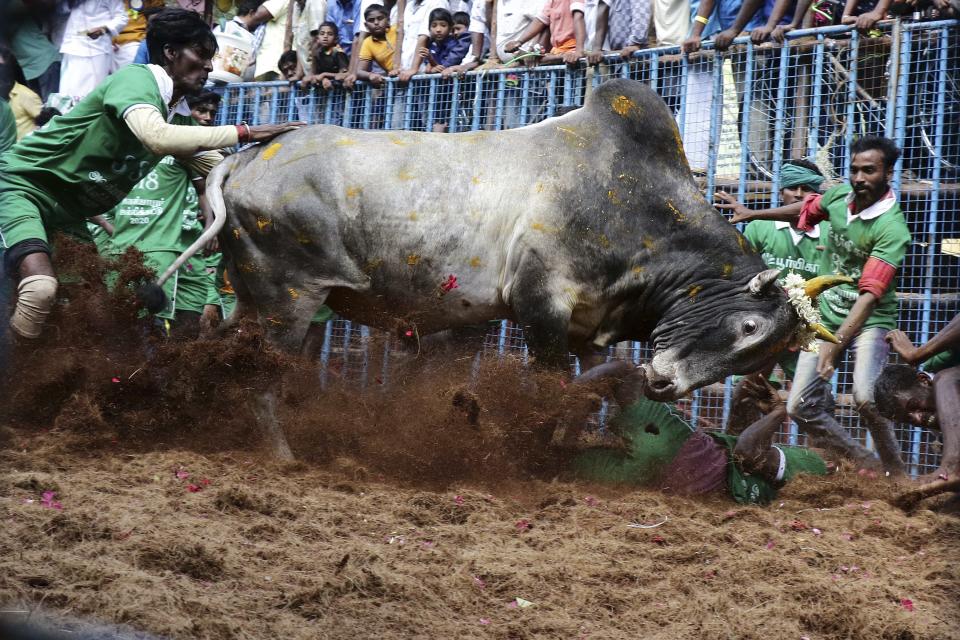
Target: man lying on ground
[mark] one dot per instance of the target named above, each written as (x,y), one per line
(662,450)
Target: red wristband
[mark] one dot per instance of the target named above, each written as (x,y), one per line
(243,132)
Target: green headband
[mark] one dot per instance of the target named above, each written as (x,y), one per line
(792,175)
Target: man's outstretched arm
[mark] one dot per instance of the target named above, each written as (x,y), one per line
(947,338)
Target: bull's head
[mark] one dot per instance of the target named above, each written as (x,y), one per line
(735,329)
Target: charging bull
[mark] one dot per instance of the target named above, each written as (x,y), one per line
(587,229)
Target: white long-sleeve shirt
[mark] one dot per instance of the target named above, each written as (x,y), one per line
(88,15)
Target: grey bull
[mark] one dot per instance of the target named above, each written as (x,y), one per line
(587,229)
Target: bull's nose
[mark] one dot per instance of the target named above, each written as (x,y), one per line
(661,389)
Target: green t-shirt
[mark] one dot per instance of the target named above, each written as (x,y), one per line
(848,247)
(159,213)
(88,160)
(8,126)
(779,251)
(33,49)
(943,360)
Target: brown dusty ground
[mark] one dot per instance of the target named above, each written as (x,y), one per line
(414,513)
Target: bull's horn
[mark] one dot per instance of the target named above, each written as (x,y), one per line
(761,283)
(822,332)
(816,286)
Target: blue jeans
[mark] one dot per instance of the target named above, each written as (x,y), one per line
(811,402)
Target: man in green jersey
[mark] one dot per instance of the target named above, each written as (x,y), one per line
(785,247)
(867,241)
(89,159)
(159,217)
(662,450)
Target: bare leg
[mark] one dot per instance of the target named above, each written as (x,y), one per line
(946,389)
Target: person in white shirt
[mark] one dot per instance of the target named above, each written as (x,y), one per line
(87,48)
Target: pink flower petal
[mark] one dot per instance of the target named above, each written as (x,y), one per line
(182,474)
(458,500)
(484,621)
(906,603)
(770,544)
(192,488)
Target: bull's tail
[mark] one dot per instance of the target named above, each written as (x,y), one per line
(151,294)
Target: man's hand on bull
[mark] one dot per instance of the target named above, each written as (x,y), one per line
(265,132)
(691,44)
(900,343)
(723,40)
(731,204)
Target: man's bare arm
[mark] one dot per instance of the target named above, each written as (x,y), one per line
(947,338)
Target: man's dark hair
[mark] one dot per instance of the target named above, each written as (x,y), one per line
(288,57)
(886,146)
(806,164)
(462,17)
(440,15)
(179,29)
(46,115)
(895,378)
(204,97)
(332,25)
(246,7)
(372,8)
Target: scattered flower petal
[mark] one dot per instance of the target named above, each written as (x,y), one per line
(658,539)
(478,582)
(906,603)
(458,500)
(770,544)
(182,474)
(114,379)
(816,531)
(194,488)
(484,621)
(523,525)
(522,604)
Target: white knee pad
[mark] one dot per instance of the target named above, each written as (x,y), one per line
(35,298)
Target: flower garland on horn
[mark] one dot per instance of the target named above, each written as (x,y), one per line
(805,337)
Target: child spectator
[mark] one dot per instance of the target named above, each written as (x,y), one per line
(288,65)
(568,31)
(329,61)
(379,47)
(445,49)
(461,23)
(443,52)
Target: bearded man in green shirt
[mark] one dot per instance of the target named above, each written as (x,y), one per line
(868,241)
(86,161)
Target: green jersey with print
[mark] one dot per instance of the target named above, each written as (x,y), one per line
(778,250)
(157,212)
(848,247)
(88,160)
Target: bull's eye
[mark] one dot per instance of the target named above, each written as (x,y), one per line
(749,327)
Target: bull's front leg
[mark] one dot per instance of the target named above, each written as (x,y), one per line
(544,315)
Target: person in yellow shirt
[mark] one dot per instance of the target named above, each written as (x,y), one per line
(26,106)
(379,47)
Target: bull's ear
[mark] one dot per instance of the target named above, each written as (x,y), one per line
(761,284)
